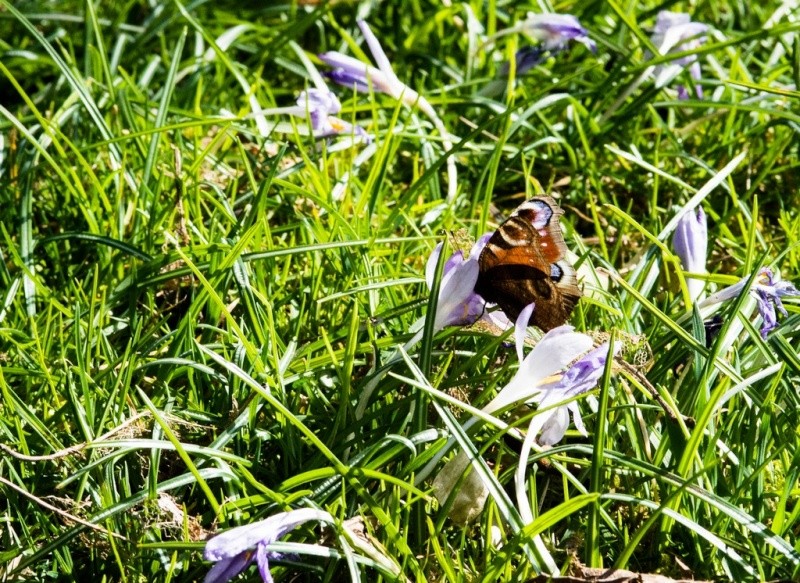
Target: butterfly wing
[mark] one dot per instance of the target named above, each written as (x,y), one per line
(523,262)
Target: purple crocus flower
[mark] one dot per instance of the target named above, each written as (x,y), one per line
(690,242)
(351,72)
(458,304)
(235,549)
(675,32)
(559,347)
(582,376)
(553,31)
(553,353)
(319,106)
(767,292)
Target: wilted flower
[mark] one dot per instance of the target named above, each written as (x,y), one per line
(674,33)
(458,304)
(690,242)
(351,72)
(235,549)
(768,293)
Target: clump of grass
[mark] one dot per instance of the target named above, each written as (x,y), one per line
(190,318)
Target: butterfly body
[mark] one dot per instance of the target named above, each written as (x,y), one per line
(523,262)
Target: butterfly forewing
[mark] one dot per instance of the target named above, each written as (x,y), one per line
(523,262)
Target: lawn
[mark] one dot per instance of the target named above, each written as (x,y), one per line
(241,244)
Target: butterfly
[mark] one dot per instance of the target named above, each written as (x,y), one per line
(523,262)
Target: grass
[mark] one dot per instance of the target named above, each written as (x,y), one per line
(189,318)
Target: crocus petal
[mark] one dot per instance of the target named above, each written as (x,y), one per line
(521,328)
(349,71)
(477,248)
(430,266)
(555,30)
(555,426)
(559,347)
(453,262)
(318,100)
(675,32)
(377,51)
(767,292)
(262,560)
(766,309)
(555,350)
(577,420)
(496,318)
(690,242)
(582,376)
(526,59)
(226,569)
(347,78)
(458,304)
(238,540)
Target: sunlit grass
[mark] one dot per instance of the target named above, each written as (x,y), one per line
(193,299)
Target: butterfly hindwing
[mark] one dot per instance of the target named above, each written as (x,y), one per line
(523,262)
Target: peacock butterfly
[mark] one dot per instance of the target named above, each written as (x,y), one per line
(523,262)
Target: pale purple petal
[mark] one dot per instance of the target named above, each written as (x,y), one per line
(232,552)
(350,72)
(554,351)
(666,20)
(582,376)
(521,328)
(477,248)
(262,560)
(559,347)
(675,32)
(458,303)
(554,427)
(527,58)
(577,420)
(377,51)
(766,309)
(226,569)
(318,104)
(430,266)
(690,242)
(555,30)
(766,291)
(319,100)
(496,318)
(455,260)
(348,78)
(347,71)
